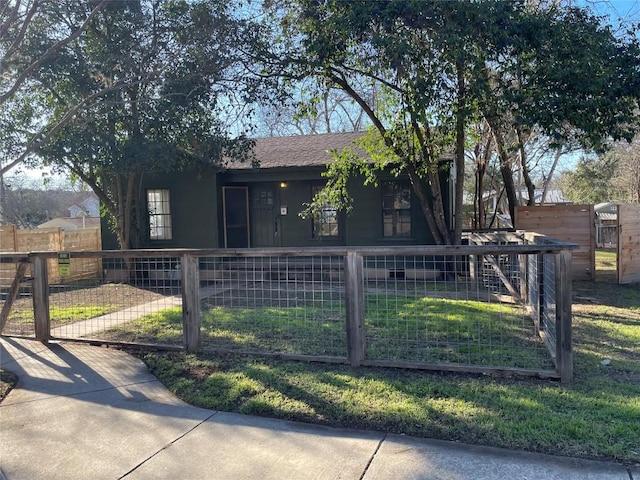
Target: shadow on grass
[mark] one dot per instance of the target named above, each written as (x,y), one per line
(593,418)
(411,329)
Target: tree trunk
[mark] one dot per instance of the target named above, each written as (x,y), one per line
(128,211)
(480,219)
(430,161)
(505,169)
(531,188)
(547,182)
(427,211)
(140,205)
(433,211)
(459,162)
(121,231)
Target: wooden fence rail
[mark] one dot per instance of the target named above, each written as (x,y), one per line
(511,260)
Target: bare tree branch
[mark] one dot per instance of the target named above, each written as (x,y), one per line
(22,77)
(40,139)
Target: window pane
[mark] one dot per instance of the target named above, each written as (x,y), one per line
(387,202)
(325,222)
(159,214)
(404,199)
(396,209)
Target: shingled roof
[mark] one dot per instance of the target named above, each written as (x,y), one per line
(298,151)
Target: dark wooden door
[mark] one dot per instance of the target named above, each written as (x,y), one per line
(236,217)
(265,227)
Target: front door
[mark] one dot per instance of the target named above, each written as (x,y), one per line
(265,231)
(236,217)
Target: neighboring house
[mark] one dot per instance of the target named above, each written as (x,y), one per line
(243,206)
(70,224)
(498,201)
(606,224)
(554,196)
(85,214)
(89,207)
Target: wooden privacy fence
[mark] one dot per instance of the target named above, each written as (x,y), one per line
(628,243)
(576,224)
(567,223)
(52,240)
(501,305)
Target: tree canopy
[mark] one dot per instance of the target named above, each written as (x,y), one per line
(30,36)
(613,176)
(439,67)
(111,90)
(152,80)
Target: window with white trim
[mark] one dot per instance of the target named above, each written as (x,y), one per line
(159,207)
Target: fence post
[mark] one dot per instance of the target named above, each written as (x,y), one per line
(523,263)
(190,302)
(564,350)
(473,273)
(354,300)
(41,299)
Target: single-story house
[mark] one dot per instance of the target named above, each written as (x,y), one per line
(72,223)
(89,207)
(246,207)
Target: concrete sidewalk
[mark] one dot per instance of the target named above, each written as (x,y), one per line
(83,412)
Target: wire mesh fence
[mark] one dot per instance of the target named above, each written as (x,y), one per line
(123,302)
(274,304)
(416,315)
(548,327)
(484,307)
(16,295)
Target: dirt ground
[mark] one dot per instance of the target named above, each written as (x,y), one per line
(107,298)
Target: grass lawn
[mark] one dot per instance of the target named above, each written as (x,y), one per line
(63,315)
(68,304)
(597,416)
(8,380)
(71,314)
(398,327)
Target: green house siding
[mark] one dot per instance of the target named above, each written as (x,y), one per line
(292,189)
(298,231)
(275,200)
(194,209)
(364,224)
(260,207)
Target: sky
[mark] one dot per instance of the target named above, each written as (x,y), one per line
(616,10)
